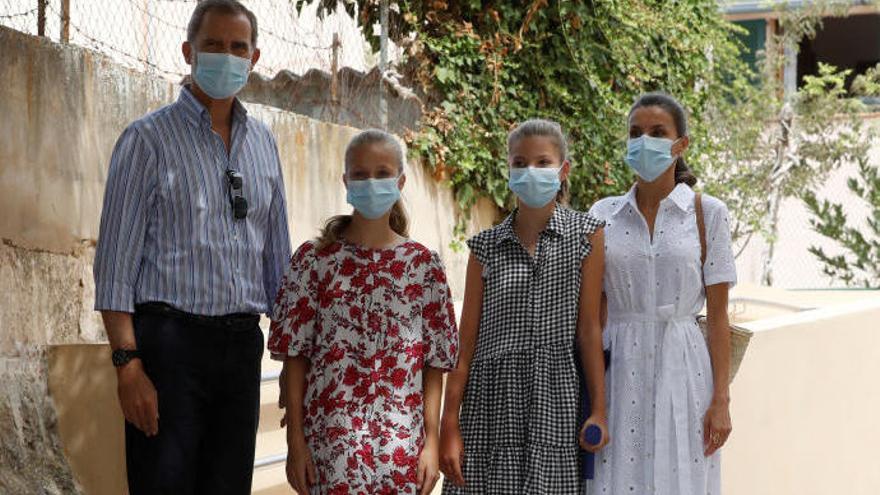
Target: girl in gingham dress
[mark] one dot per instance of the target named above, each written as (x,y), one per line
(365,325)
(531,311)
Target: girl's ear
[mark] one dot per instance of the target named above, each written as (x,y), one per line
(401,181)
(345,181)
(566,169)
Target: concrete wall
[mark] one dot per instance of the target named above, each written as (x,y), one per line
(61,110)
(804,405)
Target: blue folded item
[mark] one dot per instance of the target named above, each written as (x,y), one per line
(588,459)
(593,434)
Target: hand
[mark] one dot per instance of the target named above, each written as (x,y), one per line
(602,423)
(300,468)
(716,427)
(282,395)
(451,451)
(137,396)
(429,467)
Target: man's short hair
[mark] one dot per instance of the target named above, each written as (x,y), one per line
(232,7)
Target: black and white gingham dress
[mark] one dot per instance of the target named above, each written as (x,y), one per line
(520,408)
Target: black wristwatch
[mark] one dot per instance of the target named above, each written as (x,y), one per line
(121,357)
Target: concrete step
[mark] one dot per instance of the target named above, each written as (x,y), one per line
(271,480)
(271,439)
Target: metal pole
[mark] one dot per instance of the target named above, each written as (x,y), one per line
(41,17)
(334,80)
(145,29)
(383,63)
(65,21)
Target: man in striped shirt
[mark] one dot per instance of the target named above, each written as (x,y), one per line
(192,245)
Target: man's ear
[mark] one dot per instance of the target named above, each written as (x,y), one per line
(187,50)
(255,57)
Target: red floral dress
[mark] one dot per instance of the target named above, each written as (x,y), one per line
(369,321)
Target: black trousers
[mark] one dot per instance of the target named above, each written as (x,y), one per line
(206,371)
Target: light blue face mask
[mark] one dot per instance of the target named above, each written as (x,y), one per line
(649,156)
(372,198)
(535,186)
(221,75)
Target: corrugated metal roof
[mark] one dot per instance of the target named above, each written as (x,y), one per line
(751,6)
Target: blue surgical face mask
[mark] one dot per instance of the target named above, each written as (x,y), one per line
(372,198)
(221,75)
(649,156)
(535,186)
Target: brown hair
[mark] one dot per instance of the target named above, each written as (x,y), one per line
(398,220)
(548,129)
(670,105)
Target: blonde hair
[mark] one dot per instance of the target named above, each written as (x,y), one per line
(398,221)
(549,129)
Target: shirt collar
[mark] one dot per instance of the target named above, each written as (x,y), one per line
(196,112)
(628,199)
(682,196)
(555,225)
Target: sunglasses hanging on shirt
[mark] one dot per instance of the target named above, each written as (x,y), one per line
(236,198)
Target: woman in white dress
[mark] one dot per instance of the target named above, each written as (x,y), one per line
(668,395)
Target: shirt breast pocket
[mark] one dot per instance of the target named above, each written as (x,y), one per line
(258,192)
(182,198)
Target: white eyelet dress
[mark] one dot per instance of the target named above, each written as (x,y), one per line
(659,381)
(520,407)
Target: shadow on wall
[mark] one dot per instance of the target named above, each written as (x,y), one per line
(82,384)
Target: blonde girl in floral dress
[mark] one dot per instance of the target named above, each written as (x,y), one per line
(365,325)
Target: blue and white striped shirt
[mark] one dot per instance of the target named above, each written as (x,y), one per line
(167,227)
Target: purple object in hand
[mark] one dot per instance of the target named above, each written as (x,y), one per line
(593,435)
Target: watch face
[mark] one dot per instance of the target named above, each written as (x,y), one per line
(122,356)
(118,356)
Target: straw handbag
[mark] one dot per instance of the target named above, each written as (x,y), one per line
(739,337)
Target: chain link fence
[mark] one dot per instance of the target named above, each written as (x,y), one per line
(793,266)
(147,34)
